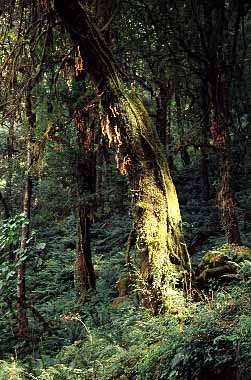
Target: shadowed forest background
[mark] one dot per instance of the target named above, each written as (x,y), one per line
(125,206)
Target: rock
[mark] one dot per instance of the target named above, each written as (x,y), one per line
(222,263)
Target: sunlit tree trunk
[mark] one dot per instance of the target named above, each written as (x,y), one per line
(141,155)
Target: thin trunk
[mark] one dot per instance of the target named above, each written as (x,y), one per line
(220,125)
(10,153)
(178,109)
(85,177)
(5,206)
(85,276)
(205,185)
(99,184)
(204,173)
(140,153)
(103,162)
(21,268)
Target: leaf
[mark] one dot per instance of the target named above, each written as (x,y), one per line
(10,275)
(40,246)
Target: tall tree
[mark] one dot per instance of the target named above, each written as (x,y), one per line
(220,18)
(155,205)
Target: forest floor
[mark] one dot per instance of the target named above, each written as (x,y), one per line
(209,338)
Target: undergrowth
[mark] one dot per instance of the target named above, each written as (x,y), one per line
(210,340)
(209,337)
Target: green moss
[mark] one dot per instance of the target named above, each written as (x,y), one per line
(215,272)
(225,259)
(164,257)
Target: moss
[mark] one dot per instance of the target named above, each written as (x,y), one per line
(156,211)
(215,272)
(243,252)
(225,259)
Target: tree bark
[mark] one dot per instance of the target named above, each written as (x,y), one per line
(85,177)
(219,76)
(205,126)
(178,115)
(139,154)
(5,206)
(221,120)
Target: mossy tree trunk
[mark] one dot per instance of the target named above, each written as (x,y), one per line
(140,154)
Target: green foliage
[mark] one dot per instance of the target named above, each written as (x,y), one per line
(10,236)
(13,371)
(211,343)
(11,230)
(206,340)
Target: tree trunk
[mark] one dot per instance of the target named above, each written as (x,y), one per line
(178,109)
(85,177)
(21,268)
(220,124)
(205,185)
(218,74)
(5,206)
(100,181)
(10,153)
(85,276)
(140,154)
